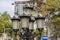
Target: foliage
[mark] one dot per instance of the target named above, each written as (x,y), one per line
(56,22)
(4,21)
(6,18)
(55,3)
(51,7)
(37,33)
(49,4)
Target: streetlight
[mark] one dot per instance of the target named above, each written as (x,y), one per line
(27,11)
(40,22)
(15,21)
(24,24)
(31,27)
(24,21)
(31,23)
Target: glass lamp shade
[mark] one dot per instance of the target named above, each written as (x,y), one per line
(15,24)
(31,25)
(24,22)
(40,22)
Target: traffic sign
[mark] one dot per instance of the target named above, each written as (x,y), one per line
(44,38)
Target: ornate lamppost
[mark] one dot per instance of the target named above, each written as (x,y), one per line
(40,22)
(15,22)
(24,25)
(31,27)
(27,11)
(31,23)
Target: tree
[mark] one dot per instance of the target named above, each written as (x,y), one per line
(5,21)
(50,8)
(56,22)
(6,18)
(56,3)
(49,4)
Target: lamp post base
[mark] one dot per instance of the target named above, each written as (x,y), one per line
(25,34)
(15,33)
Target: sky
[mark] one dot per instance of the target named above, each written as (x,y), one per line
(6,5)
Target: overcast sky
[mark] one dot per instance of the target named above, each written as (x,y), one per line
(6,5)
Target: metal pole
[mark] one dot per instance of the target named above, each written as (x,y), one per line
(55,35)
(14,36)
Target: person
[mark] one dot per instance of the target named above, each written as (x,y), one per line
(18,37)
